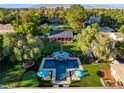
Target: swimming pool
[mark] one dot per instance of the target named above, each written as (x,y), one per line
(60,67)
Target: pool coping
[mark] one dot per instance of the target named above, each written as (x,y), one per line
(64,82)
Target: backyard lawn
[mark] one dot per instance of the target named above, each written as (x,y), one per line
(10,73)
(50,47)
(91,79)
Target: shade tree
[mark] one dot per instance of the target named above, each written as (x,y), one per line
(95,44)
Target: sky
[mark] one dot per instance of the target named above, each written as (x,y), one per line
(15,5)
(86,5)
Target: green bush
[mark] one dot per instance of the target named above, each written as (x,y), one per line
(29,79)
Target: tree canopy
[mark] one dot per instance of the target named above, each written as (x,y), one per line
(121,29)
(76,16)
(22,48)
(94,43)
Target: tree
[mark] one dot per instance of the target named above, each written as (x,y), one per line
(95,25)
(27,28)
(121,29)
(1,43)
(44,29)
(8,44)
(75,17)
(120,47)
(103,48)
(28,50)
(95,44)
(85,39)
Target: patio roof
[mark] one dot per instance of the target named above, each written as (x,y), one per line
(119,69)
(60,34)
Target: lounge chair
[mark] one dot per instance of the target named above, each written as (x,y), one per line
(49,77)
(73,77)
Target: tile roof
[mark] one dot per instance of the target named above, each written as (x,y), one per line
(60,33)
(6,28)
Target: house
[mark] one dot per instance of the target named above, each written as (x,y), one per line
(117,36)
(93,19)
(106,29)
(6,28)
(118,73)
(61,36)
(56,20)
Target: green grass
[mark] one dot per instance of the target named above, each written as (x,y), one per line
(91,79)
(72,48)
(50,47)
(29,79)
(45,83)
(10,73)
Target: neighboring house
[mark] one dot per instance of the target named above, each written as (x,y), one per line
(106,29)
(118,73)
(6,28)
(93,19)
(56,20)
(61,36)
(117,36)
(57,26)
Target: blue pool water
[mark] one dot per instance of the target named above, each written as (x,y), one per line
(61,67)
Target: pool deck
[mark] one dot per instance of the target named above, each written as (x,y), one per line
(64,82)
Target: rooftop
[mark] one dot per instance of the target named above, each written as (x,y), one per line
(106,29)
(119,34)
(6,28)
(119,69)
(60,34)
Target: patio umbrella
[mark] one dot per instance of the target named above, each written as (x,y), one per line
(43,73)
(66,54)
(79,73)
(61,56)
(56,53)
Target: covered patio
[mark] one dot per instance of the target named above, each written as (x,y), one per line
(61,36)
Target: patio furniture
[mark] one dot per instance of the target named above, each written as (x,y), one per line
(72,76)
(44,74)
(49,77)
(75,78)
(79,73)
(60,55)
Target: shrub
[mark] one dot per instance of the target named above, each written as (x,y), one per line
(29,79)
